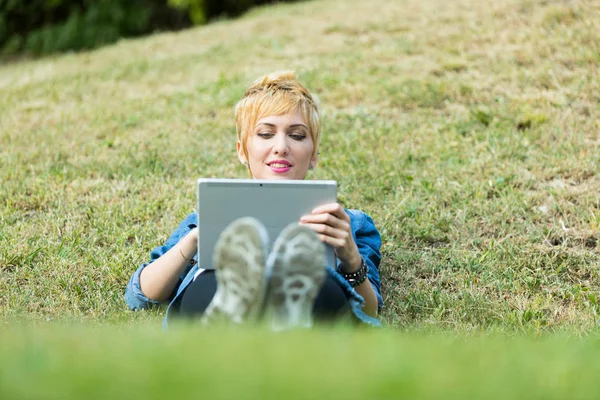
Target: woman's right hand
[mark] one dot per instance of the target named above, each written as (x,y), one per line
(194,234)
(189,244)
(159,278)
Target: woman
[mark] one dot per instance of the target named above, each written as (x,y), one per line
(278,127)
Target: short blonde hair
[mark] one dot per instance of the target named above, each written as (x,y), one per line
(278,93)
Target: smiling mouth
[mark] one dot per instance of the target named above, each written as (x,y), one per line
(279,164)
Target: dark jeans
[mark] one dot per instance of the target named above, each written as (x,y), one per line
(331,303)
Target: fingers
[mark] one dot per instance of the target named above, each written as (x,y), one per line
(330,229)
(333,209)
(329,220)
(332,225)
(326,219)
(334,242)
(326,230)
(340,239)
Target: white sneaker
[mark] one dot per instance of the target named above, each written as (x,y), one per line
(239,262)
(297,272)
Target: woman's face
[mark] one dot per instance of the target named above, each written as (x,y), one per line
(279,147)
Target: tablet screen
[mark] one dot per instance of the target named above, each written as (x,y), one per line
(276,203)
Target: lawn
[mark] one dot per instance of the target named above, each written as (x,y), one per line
(81,362)
(467,130)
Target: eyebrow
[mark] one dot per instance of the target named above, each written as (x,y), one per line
(291,126)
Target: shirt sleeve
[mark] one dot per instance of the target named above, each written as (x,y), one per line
(368,241)
(134,297)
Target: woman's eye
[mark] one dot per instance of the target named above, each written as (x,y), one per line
(297,136)
(265,135)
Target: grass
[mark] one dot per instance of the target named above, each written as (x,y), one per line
(468,130)
(53,362)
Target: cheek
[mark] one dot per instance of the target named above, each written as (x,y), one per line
(307,151)
(256,149)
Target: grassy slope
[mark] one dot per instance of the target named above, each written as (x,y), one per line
(467,129)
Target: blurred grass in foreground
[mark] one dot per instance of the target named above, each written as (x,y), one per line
(60,361)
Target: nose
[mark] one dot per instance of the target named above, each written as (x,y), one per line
(281,146)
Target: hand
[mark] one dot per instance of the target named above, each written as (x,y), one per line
(332,225)
(189,244)
(193,234)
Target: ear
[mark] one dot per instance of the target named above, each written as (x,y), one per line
(314,160)
(240,152)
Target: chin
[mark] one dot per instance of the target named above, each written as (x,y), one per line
(282,177)
(290,175)
(279,177)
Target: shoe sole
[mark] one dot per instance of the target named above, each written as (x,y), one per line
(297,272)
(239,259)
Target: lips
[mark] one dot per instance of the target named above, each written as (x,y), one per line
(279,166)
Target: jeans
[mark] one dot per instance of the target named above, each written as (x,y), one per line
(330,305)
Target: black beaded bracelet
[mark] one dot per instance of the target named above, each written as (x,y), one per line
(358,277)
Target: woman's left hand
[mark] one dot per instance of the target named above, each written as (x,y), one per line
(332,225)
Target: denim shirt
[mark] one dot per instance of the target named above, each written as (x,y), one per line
(365,235)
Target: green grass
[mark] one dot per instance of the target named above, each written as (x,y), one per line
(73,361)
(468,130)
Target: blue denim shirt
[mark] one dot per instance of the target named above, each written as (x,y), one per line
(365,235)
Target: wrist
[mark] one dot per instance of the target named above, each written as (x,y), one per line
(193,236)
(188,247)
(357,277)
(352,265)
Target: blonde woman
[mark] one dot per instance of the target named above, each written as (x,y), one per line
(278,130)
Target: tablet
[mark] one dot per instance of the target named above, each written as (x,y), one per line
(276,203)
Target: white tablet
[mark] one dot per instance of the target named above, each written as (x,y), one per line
(276,203)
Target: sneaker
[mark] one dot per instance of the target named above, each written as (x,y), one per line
(239,262)
(297,272)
